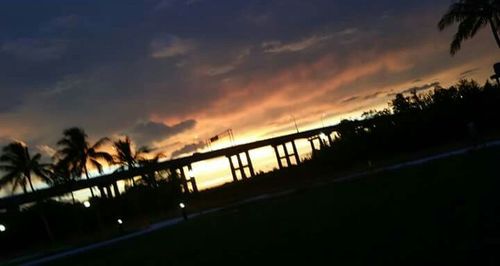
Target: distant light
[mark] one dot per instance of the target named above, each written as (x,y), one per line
(191,173)
(2,228)
(119,221)
(86,204)
(182,205)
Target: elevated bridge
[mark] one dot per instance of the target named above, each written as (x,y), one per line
(240,168)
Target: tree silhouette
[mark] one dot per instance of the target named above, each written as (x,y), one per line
(401,104)
(60,174)
(127,157)
(76,151)
(149,179)
(471,15)
(19,166)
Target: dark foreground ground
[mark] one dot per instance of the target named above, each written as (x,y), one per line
(445,212)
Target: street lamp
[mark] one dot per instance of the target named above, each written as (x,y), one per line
(120,225)
(183,211)
(2,228)
(86,204)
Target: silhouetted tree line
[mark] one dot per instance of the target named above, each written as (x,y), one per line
(465,112)
(49,219)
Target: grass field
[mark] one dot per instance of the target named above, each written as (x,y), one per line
(445,212)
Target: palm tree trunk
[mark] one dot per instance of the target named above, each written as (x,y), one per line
(28,176)
(88,177)
(494,30)
(130,167)
(31,185)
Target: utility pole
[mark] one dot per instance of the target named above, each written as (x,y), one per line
(295,123)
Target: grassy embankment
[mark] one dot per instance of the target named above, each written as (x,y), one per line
(445,211)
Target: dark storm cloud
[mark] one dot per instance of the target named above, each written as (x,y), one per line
(147,132)
(43,43)
(188,148)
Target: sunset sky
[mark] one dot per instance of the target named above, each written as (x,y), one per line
(172,73)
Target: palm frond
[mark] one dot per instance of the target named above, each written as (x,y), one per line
(102,156)
(8,178)
(94,163)
(471,16)
(456,13)
(100,142)
(144,149)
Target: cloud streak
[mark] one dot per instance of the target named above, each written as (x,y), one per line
(33,49)
(170,46)
(297,46)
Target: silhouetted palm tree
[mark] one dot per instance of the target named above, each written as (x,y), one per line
(60,174)
(471,15)
(19,166)
(76,151)
(127,157)
(149,179)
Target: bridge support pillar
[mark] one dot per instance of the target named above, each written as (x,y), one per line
(108,192)
(192,179)
(313,146)
(288,155)
(278,157)
(193,185)
(250,165)
(184,182)
(115,189)
(233,170)
(295,152)
(240,167)
(102,192)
